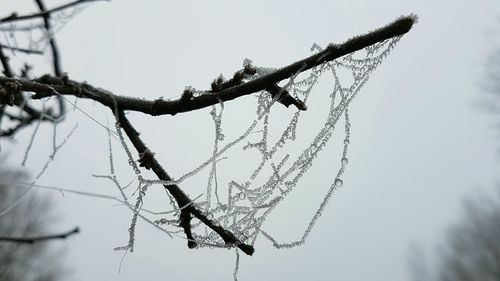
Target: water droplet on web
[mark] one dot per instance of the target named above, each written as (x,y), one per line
(339,183)
(346,141)
(221,137)
(210,216)
(242,195)
(130,162)
(344,161)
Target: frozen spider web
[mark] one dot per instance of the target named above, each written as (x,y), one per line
(243,206)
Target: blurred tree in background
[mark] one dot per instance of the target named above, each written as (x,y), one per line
(471,251)
(34,215)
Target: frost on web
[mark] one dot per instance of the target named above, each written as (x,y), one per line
(242,206)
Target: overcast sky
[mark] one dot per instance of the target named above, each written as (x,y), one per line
(421,140)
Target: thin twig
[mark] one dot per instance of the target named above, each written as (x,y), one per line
(19,101)
(32,240)
(7,70)
(22,50)
(14,17)
(56,58)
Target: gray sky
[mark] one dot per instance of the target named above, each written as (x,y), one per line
(419,144)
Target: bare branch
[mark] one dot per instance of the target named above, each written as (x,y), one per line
(45,86)
(180,197)
(18,99)
(56,59)
(11,131)
(32,240)
(7,70)
(22,50)
(14,17)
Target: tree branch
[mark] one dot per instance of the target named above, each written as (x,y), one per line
(22,50)
(14,17)
(13,97)
(187,206)
(45,86)
(56,59)
(32,240)
(7,70)
(10,95)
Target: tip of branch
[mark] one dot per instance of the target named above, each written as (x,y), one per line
(192,244)
(247,249)
(405,23)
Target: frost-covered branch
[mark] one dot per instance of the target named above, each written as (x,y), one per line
(45,86)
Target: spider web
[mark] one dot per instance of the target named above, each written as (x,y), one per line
(242,207)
